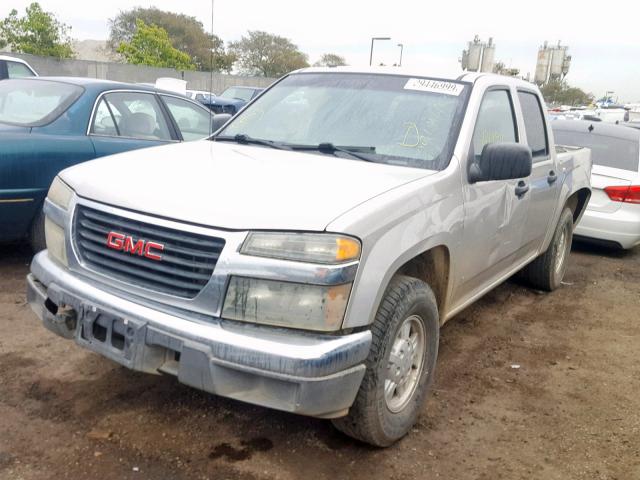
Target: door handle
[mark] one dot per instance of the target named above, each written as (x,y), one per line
(521,189)
(552,177)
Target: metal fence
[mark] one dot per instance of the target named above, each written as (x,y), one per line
(137,73)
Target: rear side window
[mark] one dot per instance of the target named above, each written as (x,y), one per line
(605,150)
(18,70)
(103,121)
(496,123)
(130,114)
(534,125)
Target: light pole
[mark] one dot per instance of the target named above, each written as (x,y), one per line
(401,49)
(373,39)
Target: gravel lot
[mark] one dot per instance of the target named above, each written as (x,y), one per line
(571,411)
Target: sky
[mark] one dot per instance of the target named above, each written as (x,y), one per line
(603,38)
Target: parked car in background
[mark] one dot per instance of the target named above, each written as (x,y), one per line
(244,94)
(12,67)
(199,95)
(238,97)
(214,103)
(305,259)
(613,213)
(230,101)
(48,124)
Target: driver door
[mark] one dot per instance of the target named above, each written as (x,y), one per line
(494,216)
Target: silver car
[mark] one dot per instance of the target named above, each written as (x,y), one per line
(613,213)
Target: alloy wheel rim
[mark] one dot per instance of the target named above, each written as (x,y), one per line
(406,361)
(561,251)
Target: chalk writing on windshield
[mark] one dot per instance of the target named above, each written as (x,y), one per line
(412,137)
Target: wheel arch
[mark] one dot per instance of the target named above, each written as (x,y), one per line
(577,202)
(433,267)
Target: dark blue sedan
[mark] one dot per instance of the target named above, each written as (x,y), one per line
(231,101)
(48,124)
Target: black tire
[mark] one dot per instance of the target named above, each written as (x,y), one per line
(370,419)
(544,272)
(36,233)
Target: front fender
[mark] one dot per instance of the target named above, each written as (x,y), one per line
(396,227)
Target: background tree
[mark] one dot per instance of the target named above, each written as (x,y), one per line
(37,32)
(261,53)
(330,60)
(559,92)
(185,33)
(501,69)
(151,46)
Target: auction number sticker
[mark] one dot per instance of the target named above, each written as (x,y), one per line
(434,86)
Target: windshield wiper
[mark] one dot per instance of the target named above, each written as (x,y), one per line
(353,151)
(244,139)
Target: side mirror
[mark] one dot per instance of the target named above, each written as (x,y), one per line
(218,121)
(501,161)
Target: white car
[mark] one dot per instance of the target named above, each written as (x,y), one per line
(200,95)
(12,67)
(613,213)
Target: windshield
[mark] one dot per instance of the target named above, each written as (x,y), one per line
(237,93)
(392,119)
(31,103)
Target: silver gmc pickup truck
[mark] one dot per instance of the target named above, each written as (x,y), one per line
(305,257)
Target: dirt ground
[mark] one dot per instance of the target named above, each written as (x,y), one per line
(571,411)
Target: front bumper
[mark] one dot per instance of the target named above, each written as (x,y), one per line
(310,374)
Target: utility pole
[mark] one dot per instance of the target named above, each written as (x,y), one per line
(373,39)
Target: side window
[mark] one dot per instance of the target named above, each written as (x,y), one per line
(135,115)
(18,70)
(192,121)
(495,123)
(103,121)
(534,125)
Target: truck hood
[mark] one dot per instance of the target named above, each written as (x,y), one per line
(237,187)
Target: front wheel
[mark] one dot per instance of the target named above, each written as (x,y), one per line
(400,366)
(36,233)
(547,271)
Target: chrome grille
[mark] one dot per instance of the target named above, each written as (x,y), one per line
(187,260)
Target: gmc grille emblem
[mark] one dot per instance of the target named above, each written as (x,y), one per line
(125,243)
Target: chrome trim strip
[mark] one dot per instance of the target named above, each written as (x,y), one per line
(16,200)
(56,213)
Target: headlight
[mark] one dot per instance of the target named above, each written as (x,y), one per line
(284,304)
(60,193)
(54,235)
(323,248)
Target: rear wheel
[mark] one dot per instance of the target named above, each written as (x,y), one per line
(400,366)
(547,271)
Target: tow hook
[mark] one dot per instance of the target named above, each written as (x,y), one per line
(63,318)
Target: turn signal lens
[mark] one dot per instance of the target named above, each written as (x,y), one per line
(347,249)
(60,193)
(55,238)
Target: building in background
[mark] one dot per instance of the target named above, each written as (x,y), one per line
(479,56)
(553,63)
